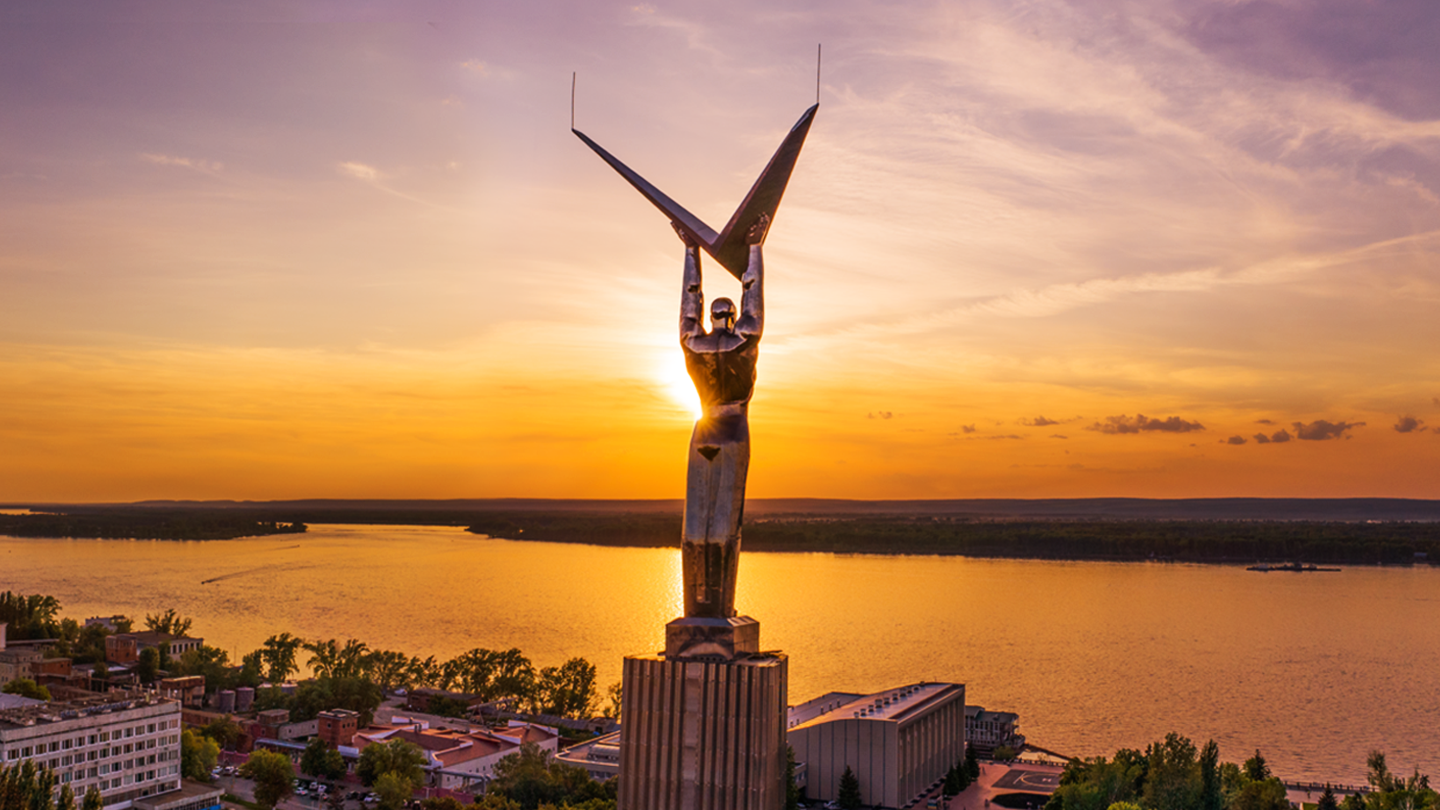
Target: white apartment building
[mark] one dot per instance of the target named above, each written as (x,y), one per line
(127,745)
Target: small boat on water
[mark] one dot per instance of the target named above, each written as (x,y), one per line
(1295,566)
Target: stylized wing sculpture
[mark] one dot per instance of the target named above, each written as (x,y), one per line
(728,246)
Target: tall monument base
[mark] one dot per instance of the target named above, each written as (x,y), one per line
(703,723)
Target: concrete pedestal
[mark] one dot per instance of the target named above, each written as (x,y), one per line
(704,731)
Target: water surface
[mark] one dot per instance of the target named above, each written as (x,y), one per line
(1314,669)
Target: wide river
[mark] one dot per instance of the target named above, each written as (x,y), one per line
(1314,670)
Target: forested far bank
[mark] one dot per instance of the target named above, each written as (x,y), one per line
(1181,540)
(143,525)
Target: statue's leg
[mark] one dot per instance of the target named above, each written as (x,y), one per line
(714,511)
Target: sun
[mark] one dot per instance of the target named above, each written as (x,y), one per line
(675,381)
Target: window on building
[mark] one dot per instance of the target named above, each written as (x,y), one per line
(150,729)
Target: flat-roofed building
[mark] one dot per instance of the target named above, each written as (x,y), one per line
(899,742)
(599,757)
(126,745)
(337,727)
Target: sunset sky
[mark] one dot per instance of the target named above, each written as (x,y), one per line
(1171,248)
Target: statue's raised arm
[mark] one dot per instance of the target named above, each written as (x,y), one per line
(752,301)
(692,296)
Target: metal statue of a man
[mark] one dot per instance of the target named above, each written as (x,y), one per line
(721,363)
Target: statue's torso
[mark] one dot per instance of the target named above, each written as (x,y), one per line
(722,366)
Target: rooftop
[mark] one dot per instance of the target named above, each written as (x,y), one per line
(892,705)
(58,711)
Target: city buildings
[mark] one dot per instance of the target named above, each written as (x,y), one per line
(124,648)
(126,745)
(899,743)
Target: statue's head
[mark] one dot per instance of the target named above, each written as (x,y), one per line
(722,314)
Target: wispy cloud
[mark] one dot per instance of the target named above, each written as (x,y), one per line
(1038,421)
(1117,425)
(202,166)
(1322,430)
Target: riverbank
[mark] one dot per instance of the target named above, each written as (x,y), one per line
(1085,529)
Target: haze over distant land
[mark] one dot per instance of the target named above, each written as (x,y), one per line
(356,510)
(1058,248)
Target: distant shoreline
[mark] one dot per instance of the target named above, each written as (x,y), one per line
(1222,531)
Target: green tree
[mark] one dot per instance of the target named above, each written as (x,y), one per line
(169,622)
(24,687)
(224,731)
(567,690)
(1211,797)
(1003,752)
(1264,794)
(322,761)
(972,763)
(1095,784)
(492,675)
(956,779)
(32,616)
(92,801)
(531,779)
(148,666)
(319,694)
(792,790)
(1379,774)
(394,790)
(849,793)
(399,757)
(1172,779)
(1256,769)
(312,760)
(1327,800)
(211,662)
(494,801)
(198,754)
(278,655)
(612,704)
(442,706)
(525,778)
(273,775)
(390,670)
(66,799)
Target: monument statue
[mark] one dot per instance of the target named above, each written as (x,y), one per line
(721,363)
(703,722)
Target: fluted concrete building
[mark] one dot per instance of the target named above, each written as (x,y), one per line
(703,734)
(898,742)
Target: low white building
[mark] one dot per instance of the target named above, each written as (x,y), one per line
(127,745)
(899,742)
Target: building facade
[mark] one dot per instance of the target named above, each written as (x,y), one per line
(126,745)
(124,648)
(899,742)
(337,727)
(986,731)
